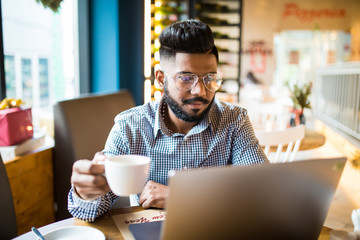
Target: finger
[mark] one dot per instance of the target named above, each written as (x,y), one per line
(153,201)
(88,180)
(146,204)
(145,192)
(87,191)
(142,198)
(88,167)
(99,158)
(90,194)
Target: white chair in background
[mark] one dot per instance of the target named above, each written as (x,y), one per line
(268,116)
(290,136)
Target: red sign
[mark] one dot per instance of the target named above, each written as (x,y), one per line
(258,52)
(309,14)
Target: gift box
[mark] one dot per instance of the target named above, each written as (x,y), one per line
(15,126)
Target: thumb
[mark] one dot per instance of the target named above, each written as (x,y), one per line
(99,158)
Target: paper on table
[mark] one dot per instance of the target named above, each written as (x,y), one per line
(123,220)
(343,235)
(355,216)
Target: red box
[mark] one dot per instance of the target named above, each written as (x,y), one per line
(15,126)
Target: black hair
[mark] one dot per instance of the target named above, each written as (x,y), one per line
(189,36)
(252,78)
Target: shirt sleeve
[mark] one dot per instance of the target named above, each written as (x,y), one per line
(89,210)
(246,148)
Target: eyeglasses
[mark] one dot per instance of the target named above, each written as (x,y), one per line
(186,81)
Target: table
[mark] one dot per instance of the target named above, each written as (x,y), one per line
(109,228)
(312,139)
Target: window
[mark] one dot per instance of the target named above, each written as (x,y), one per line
(44,82)
(26,81)
(39,54)
(10,75)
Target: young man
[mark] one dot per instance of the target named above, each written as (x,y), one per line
(188,128)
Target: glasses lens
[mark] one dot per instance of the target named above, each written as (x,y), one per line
(185,81)
(212,81)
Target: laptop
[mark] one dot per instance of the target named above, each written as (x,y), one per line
(269,201)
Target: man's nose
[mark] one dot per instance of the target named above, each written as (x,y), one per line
(199,88)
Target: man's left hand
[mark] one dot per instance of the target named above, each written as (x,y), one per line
(154,195)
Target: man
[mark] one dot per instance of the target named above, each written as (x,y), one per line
(188,128)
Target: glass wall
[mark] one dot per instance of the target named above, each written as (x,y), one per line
(39,54)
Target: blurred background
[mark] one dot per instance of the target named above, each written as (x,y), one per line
(94,46)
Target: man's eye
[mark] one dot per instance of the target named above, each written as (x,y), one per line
(210,78)
(186,78)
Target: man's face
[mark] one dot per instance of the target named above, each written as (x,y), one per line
(191,105)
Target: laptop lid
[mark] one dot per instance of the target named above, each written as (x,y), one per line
(270,201)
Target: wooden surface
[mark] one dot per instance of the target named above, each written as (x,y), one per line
(311,140)
(31,181)
(109,228)
(346,199)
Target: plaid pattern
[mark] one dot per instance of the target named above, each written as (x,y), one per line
(225,136)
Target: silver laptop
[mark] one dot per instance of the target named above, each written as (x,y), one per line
(269,201)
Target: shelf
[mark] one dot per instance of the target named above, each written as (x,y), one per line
(232,39)
(232,52)
(228,65)
(231,11)
(220,16)
(224,25)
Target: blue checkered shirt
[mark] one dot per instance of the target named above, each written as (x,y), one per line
(225,136)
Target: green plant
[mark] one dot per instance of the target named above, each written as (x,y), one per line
(54,5)
(356,161)
(300,96)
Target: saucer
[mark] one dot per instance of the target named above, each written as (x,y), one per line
(75,232)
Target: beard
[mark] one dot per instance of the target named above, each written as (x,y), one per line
(179,112)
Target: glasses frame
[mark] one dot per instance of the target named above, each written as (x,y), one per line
(195,82)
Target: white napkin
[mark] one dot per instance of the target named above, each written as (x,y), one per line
(343,235)
(355,217)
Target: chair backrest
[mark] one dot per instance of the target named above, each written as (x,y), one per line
(82,126)
(8,227)
(291,137)
(267,116)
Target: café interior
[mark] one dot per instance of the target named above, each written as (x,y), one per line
(293,65)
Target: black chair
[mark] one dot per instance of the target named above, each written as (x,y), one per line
(8,227)
(82,126)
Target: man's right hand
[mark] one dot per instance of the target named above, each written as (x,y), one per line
(87,178)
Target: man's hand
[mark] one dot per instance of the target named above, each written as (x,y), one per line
(87,177)
(154,195)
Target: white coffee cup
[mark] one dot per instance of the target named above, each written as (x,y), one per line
(127,174)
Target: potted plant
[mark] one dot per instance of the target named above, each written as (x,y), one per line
(54,5)
(300,97)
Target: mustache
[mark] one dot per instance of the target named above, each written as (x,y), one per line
(195,99)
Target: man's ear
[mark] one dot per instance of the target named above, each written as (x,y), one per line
(160,78)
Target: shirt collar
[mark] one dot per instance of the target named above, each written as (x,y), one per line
(158,118)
